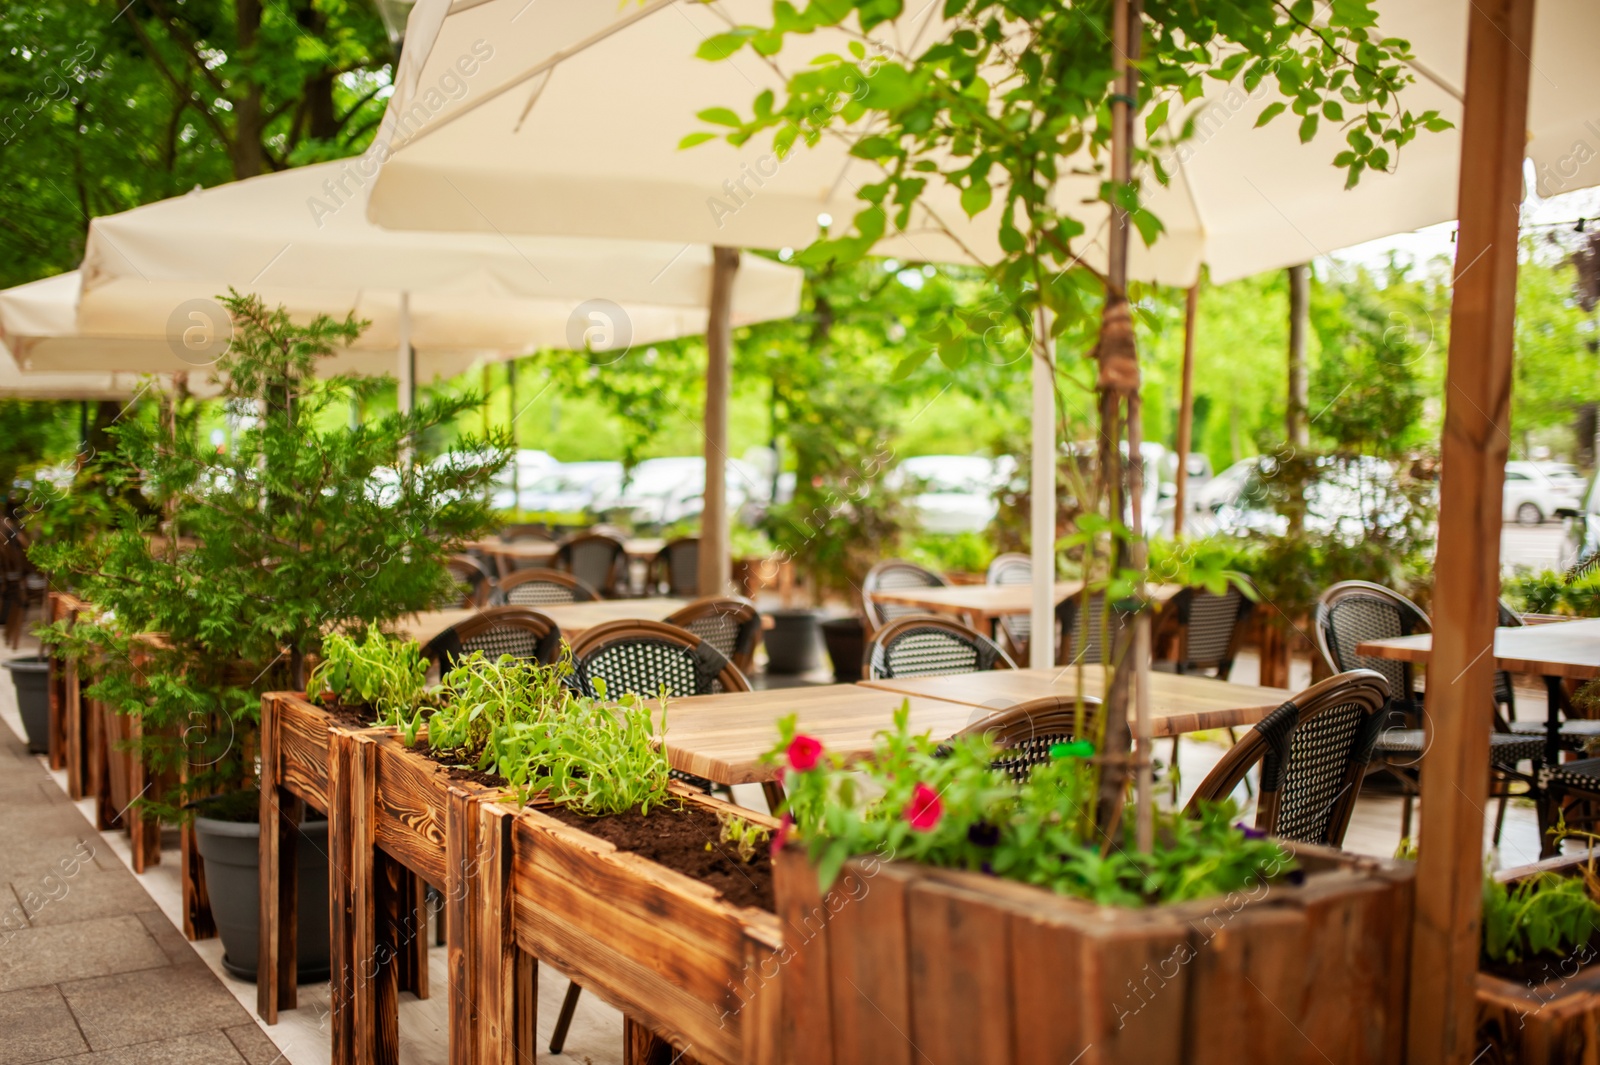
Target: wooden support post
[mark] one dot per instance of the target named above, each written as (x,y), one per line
(716,554)
(461,927)
(414,941)
(276,975)
(1455,765)
(502,976)
(77,748)
(1297,429)
(363,990)
(1180,498)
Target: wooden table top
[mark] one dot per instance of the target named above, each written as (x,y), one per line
(573,618)
(989,600)
(1558,649)
(542,551)
(722,737)
(1178,704)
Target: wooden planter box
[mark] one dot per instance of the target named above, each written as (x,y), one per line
(899,956)
(390,826)
(1555,1020)
(682,964)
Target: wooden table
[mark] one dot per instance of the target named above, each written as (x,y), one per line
(722,737)
(573,618)
(1178,704)
(980,604)
(642,549)
(1561,650)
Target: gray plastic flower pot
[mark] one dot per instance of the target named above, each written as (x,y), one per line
(231,852)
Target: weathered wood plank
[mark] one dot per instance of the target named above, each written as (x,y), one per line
(870,988)
(355,964)
(958,950)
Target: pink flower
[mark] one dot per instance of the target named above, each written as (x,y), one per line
(777,775)
(804,752)
(780,837)
(924,809)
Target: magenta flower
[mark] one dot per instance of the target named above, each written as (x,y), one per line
(924,809)
(804,752)
(780,837)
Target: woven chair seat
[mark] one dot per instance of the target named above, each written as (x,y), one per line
(1575,733)
(1505,748)
(1583,775)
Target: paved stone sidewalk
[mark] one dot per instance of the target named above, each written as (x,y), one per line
(90,970)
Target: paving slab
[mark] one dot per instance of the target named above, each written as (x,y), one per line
(34,957)
(36,1026)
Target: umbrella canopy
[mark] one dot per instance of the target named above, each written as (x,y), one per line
(301,238)
(491,97)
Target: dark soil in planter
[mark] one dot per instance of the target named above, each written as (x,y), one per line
(677,839)
(1540,968)
(350,715)
(457,771)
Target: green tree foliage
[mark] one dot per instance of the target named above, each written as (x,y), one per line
(242,559)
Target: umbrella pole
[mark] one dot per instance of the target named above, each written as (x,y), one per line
(1455,765)
(407,376)
(1180,495)
(716,563)
(1042,500)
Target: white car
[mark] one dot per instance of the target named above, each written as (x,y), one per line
(1537,491)
(571,487)
(956,491)
(668,490)
(1344,501)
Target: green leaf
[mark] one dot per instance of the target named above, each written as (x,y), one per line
(696,138)
(1308,128)
(722,45)
(721,116)
(1155,119)
(976,197)
(910,364)
(1270,112)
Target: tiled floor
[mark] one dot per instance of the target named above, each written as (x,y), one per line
(91,971)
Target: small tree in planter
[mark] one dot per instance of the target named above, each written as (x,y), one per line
(307,524)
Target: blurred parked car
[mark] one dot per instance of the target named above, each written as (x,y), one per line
(571,488)
(665,491)
(1536,491)
(956,493)
(1349,495)
(1583,529)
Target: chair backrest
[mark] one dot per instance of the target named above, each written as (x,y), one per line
(1313,751)
(474,579)
(1013,568)
(643,657)
(599,560)
(1081,633)
(1204,629)
(926,645)
(499,630)
(544,587)
(1026,732)
(676,568)
(894,573)
(1352,612)
(729,623)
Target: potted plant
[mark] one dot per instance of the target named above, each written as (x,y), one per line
(31,676)
(1538,988)
(998,922)
(305,524)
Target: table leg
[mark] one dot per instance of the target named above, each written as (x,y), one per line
(1548,848)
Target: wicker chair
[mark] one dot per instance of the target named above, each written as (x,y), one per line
(1313,751)
(498,630)
(1013,568)
(926,645)
(599,560)
(526,533)
(894,573)
(676,569)
(544,587)
(1352,612)
(730,624)
(23,585)
(1080,632)
(1026,732)
(645,657)
(1203,631)
(477,584)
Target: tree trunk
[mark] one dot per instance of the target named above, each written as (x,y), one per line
(1296,429)
(248,157)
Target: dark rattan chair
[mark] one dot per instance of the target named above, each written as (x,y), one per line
(1352,612)
(676,569)
(1013,568)
(499,630)
(544,587)
(476,583)
(645,657)
(1026,732)
(926,645)
(23,585)
(894,573)
(599,560)
(1313,751)
(730,624)
(1080,633)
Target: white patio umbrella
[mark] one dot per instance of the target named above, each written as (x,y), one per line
(492,96)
